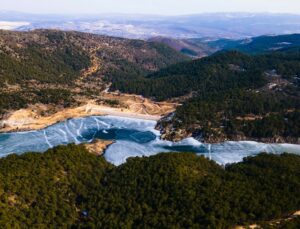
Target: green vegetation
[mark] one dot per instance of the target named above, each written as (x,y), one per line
(188,52)
(68,187)
(209,74)
(62,65)
(21,99)
(112,102)
(219,114)
(222,71)
(257,45)
(35,63)
(11,101)
(282,124)
(54,96)
(34,67)
(41,189)
(227,88)
(122,69)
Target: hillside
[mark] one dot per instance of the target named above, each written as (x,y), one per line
(68,187)
(201,47)
(195,48)
(228,96)
(264,44)
(55,67)
(47,71)
(258,45)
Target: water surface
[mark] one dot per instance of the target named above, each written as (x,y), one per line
(133,137)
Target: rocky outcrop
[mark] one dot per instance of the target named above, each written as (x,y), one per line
(98,147)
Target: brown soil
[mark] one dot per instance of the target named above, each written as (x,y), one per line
(37,116)
(97,147)
(272,223)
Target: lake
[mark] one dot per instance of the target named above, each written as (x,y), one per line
(133,137)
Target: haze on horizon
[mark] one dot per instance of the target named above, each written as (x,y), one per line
(158,7)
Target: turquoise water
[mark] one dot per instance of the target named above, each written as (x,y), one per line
(133,137)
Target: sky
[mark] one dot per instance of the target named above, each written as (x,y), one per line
(158,7)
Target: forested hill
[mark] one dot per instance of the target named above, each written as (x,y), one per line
(221,71)
(258,45)
(36,65)
(68,187)
(59,55)
(199,47)
(229,96)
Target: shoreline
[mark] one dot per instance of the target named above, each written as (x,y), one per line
(131,106)
(26,120)
(99,110)
(274,140)
(182,134)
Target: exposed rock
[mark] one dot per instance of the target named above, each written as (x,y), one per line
(98,147)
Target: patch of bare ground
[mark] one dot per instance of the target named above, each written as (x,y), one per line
(8,88)
(272,223)
(249,117)
(39,116)
(12,200)
(97,147)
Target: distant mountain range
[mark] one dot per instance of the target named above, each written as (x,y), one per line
(212,25)
(200,47)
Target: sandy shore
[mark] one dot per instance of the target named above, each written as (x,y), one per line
(31,119)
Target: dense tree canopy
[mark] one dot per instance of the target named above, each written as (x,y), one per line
(232,95)
(67,186)
(55,62)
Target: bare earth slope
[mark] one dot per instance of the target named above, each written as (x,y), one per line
(33,118)
(47,76)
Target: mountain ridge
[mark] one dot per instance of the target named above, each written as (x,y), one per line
(228,96)
(60,68)
(241,25)
(201,47)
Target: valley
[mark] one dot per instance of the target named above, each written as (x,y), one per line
(98,75)
(76,85)
(264,86)
(132,120)
(201,47)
